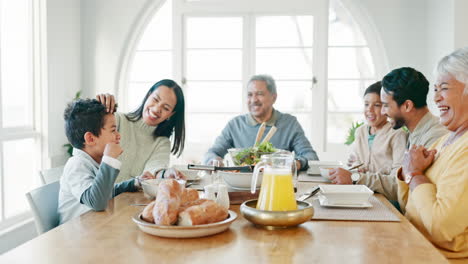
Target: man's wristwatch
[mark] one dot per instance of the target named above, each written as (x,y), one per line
(300,164)
(355,177)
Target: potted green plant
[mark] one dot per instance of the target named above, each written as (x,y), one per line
(351,132)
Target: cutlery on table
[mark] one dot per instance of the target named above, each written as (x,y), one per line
(309,194)
(355,167)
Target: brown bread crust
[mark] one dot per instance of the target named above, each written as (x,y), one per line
(167,202)
(188,195)
(206,212)
(147,213)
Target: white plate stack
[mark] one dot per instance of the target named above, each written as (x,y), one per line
(345,195)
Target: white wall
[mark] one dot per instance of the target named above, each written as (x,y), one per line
(440,24)
(64,70)
(440,39)
(402,27)
(460,23)
(446,25)
(106,27)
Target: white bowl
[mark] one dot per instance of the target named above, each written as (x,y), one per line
(240,180)
(191,175)
(346,194)
(325,171)
(150,187)
(315,164)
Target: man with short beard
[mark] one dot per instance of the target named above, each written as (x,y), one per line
(241,131)
(403,97)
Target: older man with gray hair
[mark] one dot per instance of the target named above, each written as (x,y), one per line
(241,131)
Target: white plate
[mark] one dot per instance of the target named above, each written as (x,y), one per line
(241,188)
(346,194)
(315,164)
(184,231)
(324,202)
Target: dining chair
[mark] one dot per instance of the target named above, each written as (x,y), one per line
(51,175)
(44,204)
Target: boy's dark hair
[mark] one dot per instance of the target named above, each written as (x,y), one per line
(406,84)
(374,88)
(81,116)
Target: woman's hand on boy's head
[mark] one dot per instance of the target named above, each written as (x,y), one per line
(108,100)
(112,150)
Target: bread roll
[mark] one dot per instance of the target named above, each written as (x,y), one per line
(205,213)
(167,202)
(147,213)
(191,203)
(188,195)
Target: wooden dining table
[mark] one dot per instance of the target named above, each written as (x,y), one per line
(112,237)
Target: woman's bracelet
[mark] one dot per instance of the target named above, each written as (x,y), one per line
(162,174)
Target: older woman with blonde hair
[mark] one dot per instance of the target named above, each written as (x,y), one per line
(433,184)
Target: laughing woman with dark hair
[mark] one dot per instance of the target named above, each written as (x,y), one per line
(146,132)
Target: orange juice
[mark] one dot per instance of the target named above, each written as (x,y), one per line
(277,191)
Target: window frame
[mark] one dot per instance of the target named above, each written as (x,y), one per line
(245,8)
(359,13)
(38,73)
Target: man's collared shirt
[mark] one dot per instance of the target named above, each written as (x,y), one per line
(427,131)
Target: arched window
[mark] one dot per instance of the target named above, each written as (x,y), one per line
(350,71)
(222,44)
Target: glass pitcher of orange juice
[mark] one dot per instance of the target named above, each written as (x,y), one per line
(277,190)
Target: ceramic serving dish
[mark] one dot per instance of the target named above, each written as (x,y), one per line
(276,219)
(184,231)
(346,194)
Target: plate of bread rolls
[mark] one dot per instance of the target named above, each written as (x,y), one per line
(179,212)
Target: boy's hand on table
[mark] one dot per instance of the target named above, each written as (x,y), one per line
(112,150)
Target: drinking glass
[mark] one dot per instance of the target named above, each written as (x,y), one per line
(215,180)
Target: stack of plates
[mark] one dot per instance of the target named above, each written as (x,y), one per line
(345,196)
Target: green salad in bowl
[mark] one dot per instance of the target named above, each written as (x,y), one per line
(250,156)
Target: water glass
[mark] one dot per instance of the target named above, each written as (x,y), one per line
(215,180)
